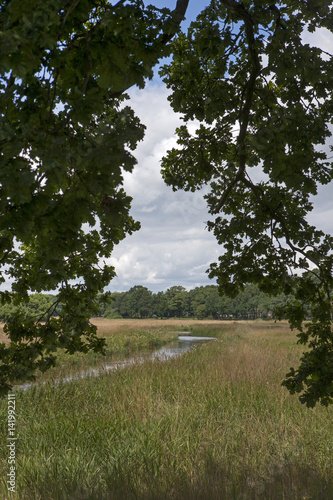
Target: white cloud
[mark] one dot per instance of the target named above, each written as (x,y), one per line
(161,262)
(321,38)
(173,246)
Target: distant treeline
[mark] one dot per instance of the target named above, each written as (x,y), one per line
(176,302)
(202,302)
(38,307)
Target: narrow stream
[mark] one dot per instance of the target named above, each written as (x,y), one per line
(183,344)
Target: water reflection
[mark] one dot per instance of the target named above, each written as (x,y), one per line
(183,344)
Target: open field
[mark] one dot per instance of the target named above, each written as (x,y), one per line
(110,325)
(214,423)
(123,337)
(107,327)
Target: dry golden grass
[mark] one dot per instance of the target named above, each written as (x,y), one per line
(3,337)
(106,326)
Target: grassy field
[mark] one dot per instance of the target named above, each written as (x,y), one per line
(124,337)
(214,423)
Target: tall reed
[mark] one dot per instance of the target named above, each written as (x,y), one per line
(212,424)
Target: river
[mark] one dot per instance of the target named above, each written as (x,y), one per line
(183,344)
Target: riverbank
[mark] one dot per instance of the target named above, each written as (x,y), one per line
(214,423)
(124,337)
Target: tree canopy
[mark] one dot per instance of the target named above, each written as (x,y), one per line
(66,136)
(200,302)
(263,97)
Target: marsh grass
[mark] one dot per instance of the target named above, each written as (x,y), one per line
(123,339)
(212,424)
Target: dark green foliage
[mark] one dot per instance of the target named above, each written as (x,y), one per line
(203,302)
(136,303)
(39,306)
(264,100)
(66,136)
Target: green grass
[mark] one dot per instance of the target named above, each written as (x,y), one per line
(120,344)
(212,424)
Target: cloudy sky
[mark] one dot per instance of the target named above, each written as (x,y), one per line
(173,246)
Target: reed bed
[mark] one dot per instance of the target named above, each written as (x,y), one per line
(214,423)
(124,338)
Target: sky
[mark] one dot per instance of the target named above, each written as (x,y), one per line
(173,246)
